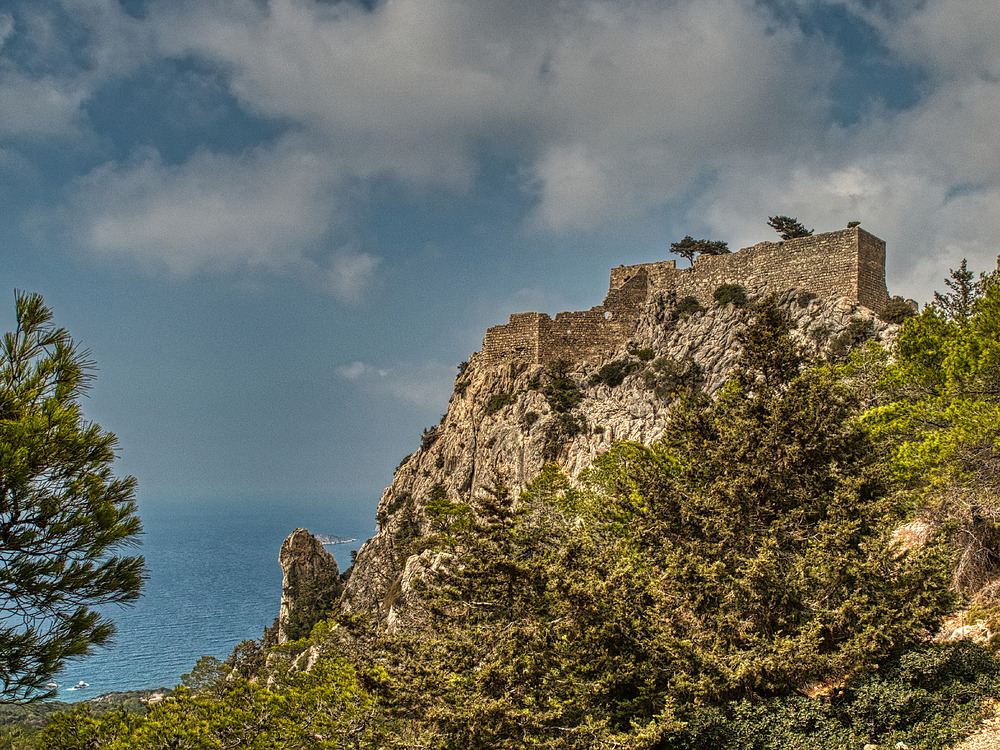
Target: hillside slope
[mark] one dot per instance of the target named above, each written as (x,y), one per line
(513,417)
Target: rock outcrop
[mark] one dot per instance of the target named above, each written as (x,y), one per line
(500,417)
(310,585)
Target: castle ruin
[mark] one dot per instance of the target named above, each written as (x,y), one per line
(849,263)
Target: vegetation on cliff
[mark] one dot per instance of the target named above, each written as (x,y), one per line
(686,594)
(739,583)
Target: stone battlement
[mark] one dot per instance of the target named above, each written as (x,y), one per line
(849,263)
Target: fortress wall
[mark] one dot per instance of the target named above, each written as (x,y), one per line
(628,295)
(623,274)
(872,292)
(848,263)
(578,336)
(516,340)
(825,264)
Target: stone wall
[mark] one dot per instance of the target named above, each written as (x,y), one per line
(849,263)
(517,340)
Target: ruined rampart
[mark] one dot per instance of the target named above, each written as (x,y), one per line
(849,263)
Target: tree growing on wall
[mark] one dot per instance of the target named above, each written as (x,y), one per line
(789,228)
(64,516)
(690,247)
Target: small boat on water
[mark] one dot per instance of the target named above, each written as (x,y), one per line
(79,686)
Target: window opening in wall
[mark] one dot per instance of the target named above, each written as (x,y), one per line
(607,316)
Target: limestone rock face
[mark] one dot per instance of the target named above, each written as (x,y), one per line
(310,585)
(499,418)
(405,606)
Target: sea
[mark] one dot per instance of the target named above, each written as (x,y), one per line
(214,581)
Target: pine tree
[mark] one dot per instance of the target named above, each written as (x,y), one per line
(690,247)
(965,290)
(788,227)
(64,516)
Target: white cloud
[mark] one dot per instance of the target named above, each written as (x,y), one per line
(42,94)
(617,107)
(948,39)
(357,370)
(39,107)
(421,384)
(611,110)
(350,274)
(928,229)
(268,209)
(216,212)
(6,27)
(926,179)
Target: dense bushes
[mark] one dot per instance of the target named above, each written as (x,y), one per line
(498,401)
(685,594)
(730,294)
(688,306)
(669,378)
(561,391)
(614,373)
(858,331)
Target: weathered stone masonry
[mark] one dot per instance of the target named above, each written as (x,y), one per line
(849,263)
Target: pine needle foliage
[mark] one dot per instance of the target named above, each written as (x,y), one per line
(939,416)
(789,228)
(689,247)
(682,596)
(767,519)
(64,517)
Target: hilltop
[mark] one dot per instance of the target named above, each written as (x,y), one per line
(733,516)
(622,363)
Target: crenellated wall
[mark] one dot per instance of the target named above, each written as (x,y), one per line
(849,263)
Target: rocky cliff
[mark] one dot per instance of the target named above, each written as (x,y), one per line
(514,416)
(310,584)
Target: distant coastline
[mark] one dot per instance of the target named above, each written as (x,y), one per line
(333,539)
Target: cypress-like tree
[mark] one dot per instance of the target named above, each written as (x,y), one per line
(767,517)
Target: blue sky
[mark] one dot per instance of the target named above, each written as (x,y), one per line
(279,226)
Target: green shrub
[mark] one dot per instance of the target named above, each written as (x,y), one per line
(643,355)
(858,331)
(820,333)
(731,294)
(530,418)
(688,306)
(498,401)
(428,437)
(668,378)
(896,310)
(561,391)
(613,374)
(562,429)
(805,298)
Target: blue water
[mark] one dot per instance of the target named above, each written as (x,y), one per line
(214,582)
